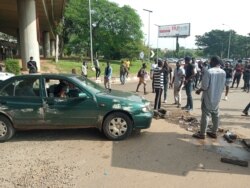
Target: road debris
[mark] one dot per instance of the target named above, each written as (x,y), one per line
(234,161)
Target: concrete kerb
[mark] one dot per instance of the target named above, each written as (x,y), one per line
(115,80)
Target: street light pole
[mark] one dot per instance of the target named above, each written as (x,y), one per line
(90,33)
(149,11)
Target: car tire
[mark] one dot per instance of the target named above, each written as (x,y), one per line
(6,129)
(117,126)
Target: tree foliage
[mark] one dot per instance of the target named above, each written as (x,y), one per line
(116,31)
(216,42)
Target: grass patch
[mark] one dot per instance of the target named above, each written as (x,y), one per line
(66,66)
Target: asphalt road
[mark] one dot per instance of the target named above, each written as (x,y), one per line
(165,155)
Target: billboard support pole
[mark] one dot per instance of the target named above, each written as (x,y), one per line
(177,44)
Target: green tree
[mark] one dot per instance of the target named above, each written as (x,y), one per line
(216,42)
(116,30)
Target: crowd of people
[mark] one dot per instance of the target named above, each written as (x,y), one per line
(210,79)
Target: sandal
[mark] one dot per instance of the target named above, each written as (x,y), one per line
(198,135)
(245,113)
(212,135)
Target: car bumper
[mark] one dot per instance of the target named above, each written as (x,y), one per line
(143,120)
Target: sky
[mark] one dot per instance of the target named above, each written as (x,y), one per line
(203,16)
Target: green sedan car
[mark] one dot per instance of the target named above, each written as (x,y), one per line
(61,101)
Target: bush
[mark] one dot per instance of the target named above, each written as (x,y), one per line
(12,65)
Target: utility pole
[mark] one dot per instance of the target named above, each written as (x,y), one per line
(149,11)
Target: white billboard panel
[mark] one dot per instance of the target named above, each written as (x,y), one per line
(181,30)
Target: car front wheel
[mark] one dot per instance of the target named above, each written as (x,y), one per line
(117,126)
(6,129)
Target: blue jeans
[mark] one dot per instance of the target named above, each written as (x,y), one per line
(189,89)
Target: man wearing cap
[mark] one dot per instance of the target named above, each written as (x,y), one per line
(190,74)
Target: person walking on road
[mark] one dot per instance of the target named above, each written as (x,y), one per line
(158,84)
(229,75)
(142,73)
(237,73)
(212,86)
(178,81)
(108,76)
(97,68)
(245,111)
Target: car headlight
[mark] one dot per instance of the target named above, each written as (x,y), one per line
(145,109)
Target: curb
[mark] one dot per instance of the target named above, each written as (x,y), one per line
(115,80)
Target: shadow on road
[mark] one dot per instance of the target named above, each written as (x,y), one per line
(53,135)
(171,153)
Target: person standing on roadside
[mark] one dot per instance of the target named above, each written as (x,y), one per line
(31,64)
(84,69)
(142,73)
(108,76)
(229,75)
(158,84)
(178,81)
(167,77)
(97,68)
(127,64)
(212,86)
(247,77)
(190,74)
(153,66)
(123,72)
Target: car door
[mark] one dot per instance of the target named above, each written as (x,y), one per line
(71,111)
(21,100)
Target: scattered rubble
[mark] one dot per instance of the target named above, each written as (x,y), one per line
(234,161)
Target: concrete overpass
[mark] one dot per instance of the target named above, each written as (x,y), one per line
(33,23)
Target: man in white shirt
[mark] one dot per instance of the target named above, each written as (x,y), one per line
(213,82)
(178,81)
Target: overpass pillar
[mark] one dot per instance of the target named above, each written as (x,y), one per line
(46,44)
(28,32)
(53,47)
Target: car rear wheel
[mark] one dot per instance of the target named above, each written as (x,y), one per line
(117,126)
(6,129)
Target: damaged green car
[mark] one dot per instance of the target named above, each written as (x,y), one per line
(62,101)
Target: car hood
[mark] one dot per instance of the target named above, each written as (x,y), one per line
(122,96)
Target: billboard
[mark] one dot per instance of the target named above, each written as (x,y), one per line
(181,30)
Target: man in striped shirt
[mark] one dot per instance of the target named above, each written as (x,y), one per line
(158,84)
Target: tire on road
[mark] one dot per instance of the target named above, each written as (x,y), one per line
(117,126)
(6,129)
